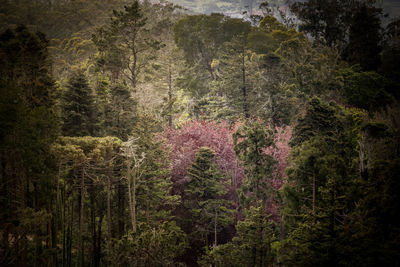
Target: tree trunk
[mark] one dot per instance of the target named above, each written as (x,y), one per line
(69,236)
(212,76)
(63,229)
(81,218)
(56,219)
(147,208)
(134,204)
(53,234)
(38,232)
(313,194)
(121,210)
(244,89)
(98,249)
(215,229)
(133,68)
(132,196)
(93,228)
(169,96)
(109,209)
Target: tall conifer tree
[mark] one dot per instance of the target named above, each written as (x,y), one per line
(78,109)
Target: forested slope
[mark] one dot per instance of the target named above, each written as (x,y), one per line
(137,133)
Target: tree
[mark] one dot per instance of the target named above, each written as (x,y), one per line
(148,183)
(78,109)
(252,140)
(252,246)
(133,162)
(120,111)
(29,127)
(320,191)
(327,21)
(233,63)
(372,224)
(155,198)
(203,199)
(161,76)
(201,37)
(126,42)
(339,25)
(149,246)
(364,89)
(390,57)
(186,141)
(86,163)
(364,45)
(320,119)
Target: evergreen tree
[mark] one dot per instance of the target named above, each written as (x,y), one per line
(372,236)
(364,45)
(319,194)
(320,119)
(127,44)
(252,245)
(120,112)
(203,198)
(155,200)
(364,89)
(251,141)
(353,27)
(28,128)
(78,107)
(391,56)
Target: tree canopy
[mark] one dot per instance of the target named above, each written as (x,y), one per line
(141,133)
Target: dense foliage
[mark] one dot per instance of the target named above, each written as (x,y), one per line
(137,133)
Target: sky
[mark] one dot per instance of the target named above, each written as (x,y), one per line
(391,7)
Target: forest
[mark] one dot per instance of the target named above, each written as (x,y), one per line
(151,133)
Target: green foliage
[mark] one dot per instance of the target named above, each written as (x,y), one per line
(201,38)
(203,198)
(70,45)
(372,234)
(364,45)
(321,185)
(78,109)
(252,245)
(251,141)
(126,45)
(364,89)
(28,128)
(320,119)
(390,57)
(86,148)
(119,111)
(213,107)
(154,200)
(159,246)
(69,200)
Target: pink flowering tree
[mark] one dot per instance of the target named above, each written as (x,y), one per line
(185,142)
(280,151)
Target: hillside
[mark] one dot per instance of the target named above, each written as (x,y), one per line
(140,133)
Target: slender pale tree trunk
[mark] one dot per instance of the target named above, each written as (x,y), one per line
(169,95)
(134,203)
(132,196)
(244,88)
